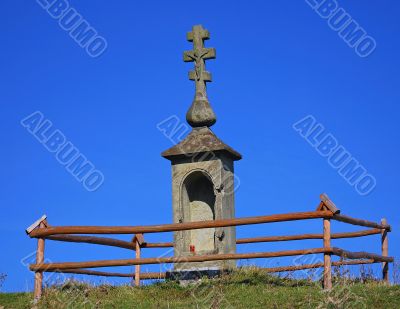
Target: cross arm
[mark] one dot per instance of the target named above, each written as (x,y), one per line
(206,76)
(207,53)
(204,34)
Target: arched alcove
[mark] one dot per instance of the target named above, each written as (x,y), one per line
(198,202)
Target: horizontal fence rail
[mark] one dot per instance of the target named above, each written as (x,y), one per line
(129,245)
(93,240)
(168,260)
(162,275)
(316,265)
(361,255)
(174,227)
(360,222)
(210,257)
(143,276)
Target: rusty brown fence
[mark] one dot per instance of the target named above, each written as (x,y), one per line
(326,211)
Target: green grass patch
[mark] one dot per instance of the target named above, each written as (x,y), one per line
(250,288)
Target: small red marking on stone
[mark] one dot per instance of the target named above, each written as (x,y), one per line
(192,249)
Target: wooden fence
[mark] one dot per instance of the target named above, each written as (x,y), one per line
(326,211)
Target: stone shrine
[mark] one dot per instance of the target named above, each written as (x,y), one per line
(202,173)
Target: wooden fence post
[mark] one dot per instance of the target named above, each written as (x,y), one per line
(137,267)
(327,256)
(139,241)
(385,252)
(38,285)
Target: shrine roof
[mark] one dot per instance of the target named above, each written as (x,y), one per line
(200,140)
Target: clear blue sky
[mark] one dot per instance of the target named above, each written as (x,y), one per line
(276,63)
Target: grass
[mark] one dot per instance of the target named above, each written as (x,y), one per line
(250,288)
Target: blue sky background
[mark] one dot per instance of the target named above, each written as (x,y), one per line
(276,63)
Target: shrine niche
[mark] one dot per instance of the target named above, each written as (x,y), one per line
(198,199)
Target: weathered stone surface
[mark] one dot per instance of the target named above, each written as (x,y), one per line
(200,140)
(203,190)
(200,113)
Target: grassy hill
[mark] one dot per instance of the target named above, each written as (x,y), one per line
(243,289)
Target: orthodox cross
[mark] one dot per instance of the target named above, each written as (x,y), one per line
(198,55)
